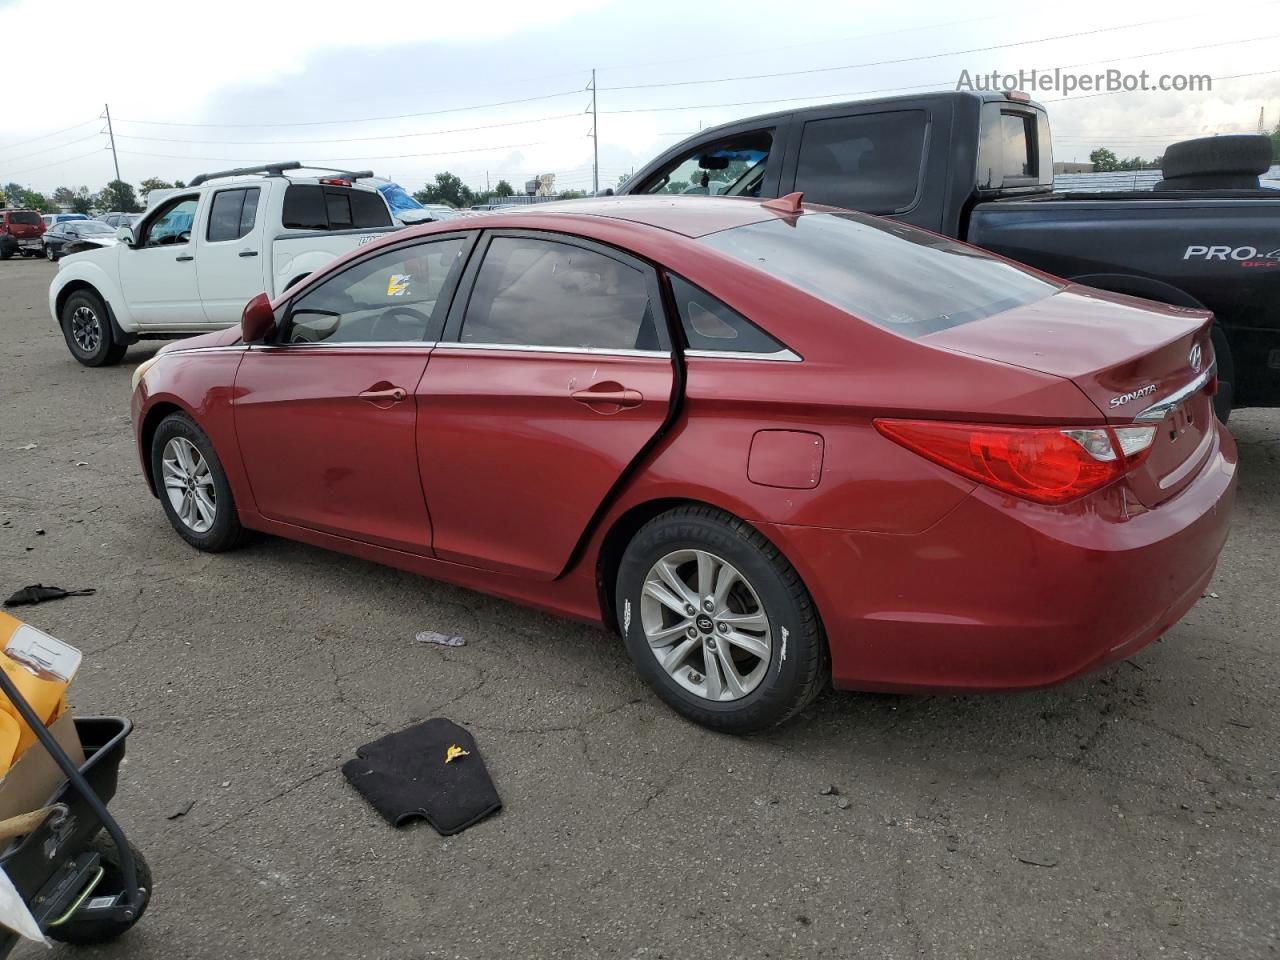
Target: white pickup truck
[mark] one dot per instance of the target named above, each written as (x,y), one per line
(199,254)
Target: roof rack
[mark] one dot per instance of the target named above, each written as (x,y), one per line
(277,170)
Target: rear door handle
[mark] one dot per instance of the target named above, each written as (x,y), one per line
(184,257)
(609,393)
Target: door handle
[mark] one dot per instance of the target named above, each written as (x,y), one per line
(248,253)
(387,395)
(608,394)
(184,257)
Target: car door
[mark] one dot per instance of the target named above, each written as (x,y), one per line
(326,413)
(158,273)
(553,377)
(230,263)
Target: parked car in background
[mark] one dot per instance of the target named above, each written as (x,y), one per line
(193,260)
(76,236)
(118,219)
(20,232)
(979,167)
(51,218)
(773,445)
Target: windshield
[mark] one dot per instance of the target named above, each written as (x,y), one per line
(897,277)
(398,198)
(30,219)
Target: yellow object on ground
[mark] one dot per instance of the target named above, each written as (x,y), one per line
(454,752)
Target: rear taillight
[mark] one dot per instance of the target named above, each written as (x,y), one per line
(1044,464)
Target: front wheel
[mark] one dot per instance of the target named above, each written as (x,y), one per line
(87,329)
(192,485)
(718,622)
(50,255)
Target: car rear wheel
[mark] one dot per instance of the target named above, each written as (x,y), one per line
(192,486)
(87,329)
(718,622)
(49,254)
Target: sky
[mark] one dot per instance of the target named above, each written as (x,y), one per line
(500,91)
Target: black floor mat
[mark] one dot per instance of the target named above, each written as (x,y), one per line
(405,775)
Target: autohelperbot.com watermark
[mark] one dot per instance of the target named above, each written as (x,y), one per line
(1066,82)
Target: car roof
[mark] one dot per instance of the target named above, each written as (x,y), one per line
(689,216)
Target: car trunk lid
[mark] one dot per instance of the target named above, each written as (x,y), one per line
(1138,362)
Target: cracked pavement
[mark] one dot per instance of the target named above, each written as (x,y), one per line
(1132,813)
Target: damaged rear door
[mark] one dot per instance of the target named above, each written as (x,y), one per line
(554,374)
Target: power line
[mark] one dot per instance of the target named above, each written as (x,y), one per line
(321,123)
(45,136)
(33,153)
(401,156)
(55,163)
(916,59)
(392,136)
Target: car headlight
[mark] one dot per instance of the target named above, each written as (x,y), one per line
(141,370)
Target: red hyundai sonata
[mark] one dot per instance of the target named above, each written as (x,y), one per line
(773,444)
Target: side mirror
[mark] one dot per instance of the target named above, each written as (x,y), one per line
(124,233)
(258,320)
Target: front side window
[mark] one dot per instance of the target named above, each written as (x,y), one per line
(393,297)
(710,324)
(543,293)
(870,162)
(233,213)
(733,167)
(894,276)
(172,225)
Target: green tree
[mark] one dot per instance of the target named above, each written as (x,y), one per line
(13,194)
(1103,160)
(34,200)
(1275,144)
(83,201)
(64,197)
(449,189)
(154,183)
(503,189)
(118,195)
(571,194)
(622,180)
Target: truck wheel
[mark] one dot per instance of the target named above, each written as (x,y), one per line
(1246,154)
(1225,397)
(80,930)
(87,329)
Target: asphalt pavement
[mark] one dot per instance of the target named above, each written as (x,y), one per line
(1130,814)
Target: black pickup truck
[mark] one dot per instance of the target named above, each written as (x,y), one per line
(979,167)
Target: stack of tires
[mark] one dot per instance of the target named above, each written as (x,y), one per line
(1216,163)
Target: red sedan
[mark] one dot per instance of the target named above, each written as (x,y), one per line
(774,445)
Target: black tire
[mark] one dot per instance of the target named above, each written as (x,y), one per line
(225,531)
(87,328)
(1225,397)
(49,254)
(82,931)
(1248,154)
(6,253)
(797,669)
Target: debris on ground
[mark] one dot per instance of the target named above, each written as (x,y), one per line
(181,811)
(1036,860)
(443,639)
(39,593)
(830,790)
(27,446)
(843,803)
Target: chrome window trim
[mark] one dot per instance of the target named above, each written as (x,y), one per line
(359,344)
(785,356)
(226,348)
(533,348)
(1160,410)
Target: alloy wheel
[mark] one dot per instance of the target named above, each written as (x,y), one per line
(705,624)
(86,329)
(189,484)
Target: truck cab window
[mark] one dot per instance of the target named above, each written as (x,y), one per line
(172,224)
(733,167)
(871,162)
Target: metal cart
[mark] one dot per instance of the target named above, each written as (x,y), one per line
(80,878)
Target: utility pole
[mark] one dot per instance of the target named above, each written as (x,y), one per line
(486,182)
(106,109)
(1262,114)
(595,139)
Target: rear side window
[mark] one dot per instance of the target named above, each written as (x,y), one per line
(541,293)
(894,276)
(1017,133)
(732,167)
(233,213)
(316,207)
(710,324)
(30,219)
(870,162)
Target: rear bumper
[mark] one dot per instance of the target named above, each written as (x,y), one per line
(1004,594)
